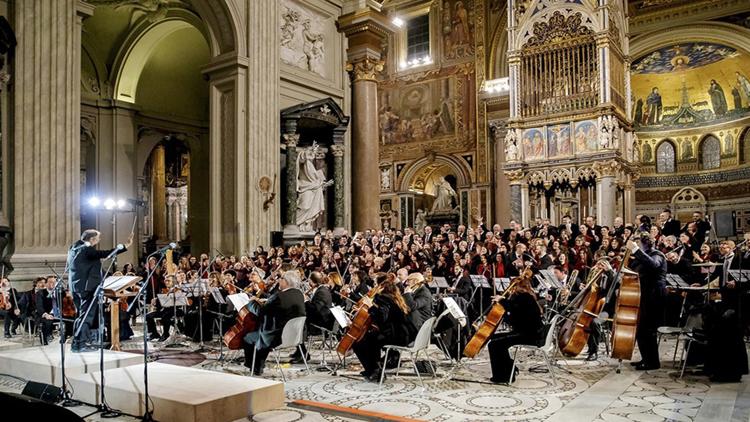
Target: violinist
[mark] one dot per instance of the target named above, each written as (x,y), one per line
(357,287)
(317,310)
(524,315)
(390,326)
(286,304)
(9,309)
(165,313)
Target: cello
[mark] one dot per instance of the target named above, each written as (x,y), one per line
(361,322)
(246,322)
(492,320)
(574,332)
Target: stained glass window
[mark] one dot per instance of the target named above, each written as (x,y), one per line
(711,153)
(665,158)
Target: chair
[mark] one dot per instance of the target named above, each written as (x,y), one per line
(548,349)
(420,344)
(292,335)
(676,333)
(689,338)
(328,343)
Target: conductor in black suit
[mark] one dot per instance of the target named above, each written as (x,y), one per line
(85,263)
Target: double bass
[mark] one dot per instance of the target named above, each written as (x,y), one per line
(627,313)
(492,320)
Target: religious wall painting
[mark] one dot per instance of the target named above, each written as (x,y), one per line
(425,110)
(687,150)
(586,136)
(558,141)
(647,154)
(457,28)
(533,143)
(690,85)
(302,42)
(728,144)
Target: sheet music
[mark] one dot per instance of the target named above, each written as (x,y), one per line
(735,275)
(501,283)
(169,300)
(195,289)
(551,279)
(439,283)
(239,300)
(216,294)
(114,284)
(341,317)
(480,281)
(455,310)
(676,281)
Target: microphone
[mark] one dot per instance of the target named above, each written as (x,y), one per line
(81,246)
(114,252)
(171,245)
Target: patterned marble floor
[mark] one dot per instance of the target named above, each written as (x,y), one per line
(582,391)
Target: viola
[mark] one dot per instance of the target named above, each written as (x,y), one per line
(360,325)
(69,307)
(491,321)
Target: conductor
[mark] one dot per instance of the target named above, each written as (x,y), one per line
(85,275)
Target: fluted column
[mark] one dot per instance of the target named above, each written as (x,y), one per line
(291,140)
(366,29)
(338,187)
(46,138)
(159,193)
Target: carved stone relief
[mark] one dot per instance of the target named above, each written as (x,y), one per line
(302,41)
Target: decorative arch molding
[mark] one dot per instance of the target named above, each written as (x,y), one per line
(224,24)
(499,48)
(149,138)
(139,46)
(526,31)
(88,48)
(688,198)
(459,167)
(717,32)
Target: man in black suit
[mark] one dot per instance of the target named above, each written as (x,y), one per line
(419,300)
(669,225)
(317,310)
(702,228)
(287,303)
(593,233)
(651,266)
(44,307)
(85,263)
(568,224)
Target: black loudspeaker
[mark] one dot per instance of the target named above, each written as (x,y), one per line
(277,239)
(46,392)
(31,409)
(724,223)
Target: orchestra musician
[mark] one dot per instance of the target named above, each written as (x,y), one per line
(44,304)
(166,314)
(9,310)
(85,275)
(317,310)
(389,312)
(651,266)
(524,315)
(287,303)
(418,298)
(727,357)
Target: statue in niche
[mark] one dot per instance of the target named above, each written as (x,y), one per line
(511,146)
(444,196)
(310,185)
(385,179)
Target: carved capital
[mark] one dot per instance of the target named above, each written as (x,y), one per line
(364,69)
(607,168)
(514,176)
(291,139)
(337,150)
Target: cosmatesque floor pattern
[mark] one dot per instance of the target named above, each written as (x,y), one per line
(580,390)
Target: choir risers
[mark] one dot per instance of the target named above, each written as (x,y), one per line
(182,394)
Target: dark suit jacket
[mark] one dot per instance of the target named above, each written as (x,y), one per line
(420,305)
(464,288)
(43,299)
(86,267)
(318,308)
(277,311)
(671,228)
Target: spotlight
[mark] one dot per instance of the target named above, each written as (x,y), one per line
(94,202)
(398,22)
(109,204)
(121,203)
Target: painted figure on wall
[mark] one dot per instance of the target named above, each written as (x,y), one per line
(558,141)
(457,28)
(687,150)
(533,144)
(586,136)
(728,144)
(653,107)
(744,84)
(718,100)
(647,153)
(638,116)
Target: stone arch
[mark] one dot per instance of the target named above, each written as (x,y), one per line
(743,146)
(499,49)
(688,199)
(721,33)
(139,46)
(566,9)
(461,170)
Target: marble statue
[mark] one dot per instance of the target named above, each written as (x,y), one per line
(311,183)
(609,135)
(302,41)
(511,146)
(444,196)
(385,179)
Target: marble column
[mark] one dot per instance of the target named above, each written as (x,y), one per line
(515,179)
(338,188)
(159,193)
(367,29)
(46,131)
(525,205)
(291,140)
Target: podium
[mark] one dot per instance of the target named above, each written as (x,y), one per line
(115,288)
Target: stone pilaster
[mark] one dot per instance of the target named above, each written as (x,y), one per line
(46,132)
(366,29)
(515,178)
(291,139)
(606,191)
(338,187)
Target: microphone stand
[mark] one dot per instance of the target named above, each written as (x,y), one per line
(141,296)
(67,398)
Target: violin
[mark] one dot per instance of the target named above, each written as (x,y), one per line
(492,319)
